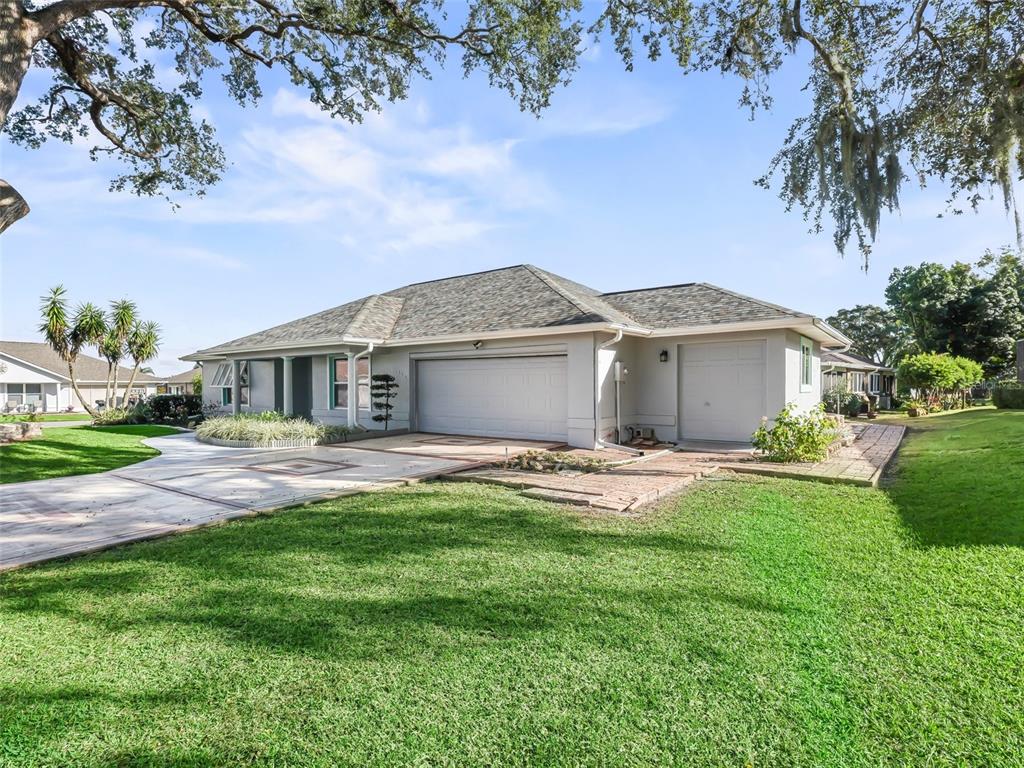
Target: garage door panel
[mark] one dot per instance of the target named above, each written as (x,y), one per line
(723,390)
(496,397)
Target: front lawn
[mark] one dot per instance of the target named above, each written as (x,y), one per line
(12,417)
(752,621)
(76,451)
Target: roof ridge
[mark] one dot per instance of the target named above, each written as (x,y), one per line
(651,288)
(362,312)
(777,307)
(581,303)
(456,277)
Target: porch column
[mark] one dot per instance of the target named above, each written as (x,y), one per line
(286,386)
(353,392)
(236,387)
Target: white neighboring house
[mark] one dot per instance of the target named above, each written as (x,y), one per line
(32,375)
(522,353)
(858,374)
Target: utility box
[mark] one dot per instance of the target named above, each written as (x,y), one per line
(621,371)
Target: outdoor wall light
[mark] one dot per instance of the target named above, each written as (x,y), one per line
(663,356)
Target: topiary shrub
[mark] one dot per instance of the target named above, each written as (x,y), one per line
(793,437)
(1008,394)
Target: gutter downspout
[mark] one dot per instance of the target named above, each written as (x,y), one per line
(597,397)
(355,392)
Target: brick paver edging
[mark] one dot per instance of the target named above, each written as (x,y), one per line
(859,464)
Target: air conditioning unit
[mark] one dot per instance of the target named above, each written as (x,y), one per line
(646,433)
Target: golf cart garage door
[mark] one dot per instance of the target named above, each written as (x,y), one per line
(518,397)
(723,390)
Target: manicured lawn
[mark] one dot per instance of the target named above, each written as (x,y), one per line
(750,622)
(76,451)
(11,417)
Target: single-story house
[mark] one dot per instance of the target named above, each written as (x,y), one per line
(33,377)
(520,352)
(859,374)
(180,383)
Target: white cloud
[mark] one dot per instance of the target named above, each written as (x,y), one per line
(395,182)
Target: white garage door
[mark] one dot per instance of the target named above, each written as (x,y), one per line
(522,397)
(723,390)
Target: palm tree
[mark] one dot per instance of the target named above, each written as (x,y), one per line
(123,319)
(66,336)
(143,344)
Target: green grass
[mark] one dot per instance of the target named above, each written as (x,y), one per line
(76,451)
(12,417)
(750,622)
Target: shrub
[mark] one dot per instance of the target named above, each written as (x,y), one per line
(1008,394)
(804,437)
(266,427)
(940,379)
(115,416)
(174,408)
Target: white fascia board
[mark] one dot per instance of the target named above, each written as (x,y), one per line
(811,327)
(328,347)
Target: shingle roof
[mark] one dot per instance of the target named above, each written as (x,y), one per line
(185,377)
(522,297)
(678,306)
(86,369)
(851,360)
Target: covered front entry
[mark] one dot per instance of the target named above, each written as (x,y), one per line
(517,397)
(722,393)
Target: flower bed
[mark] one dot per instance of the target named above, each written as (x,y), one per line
(553,461)
(267,430)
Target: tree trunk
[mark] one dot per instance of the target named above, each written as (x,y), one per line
(113,392)
(18,34)
(131,381)
(74,385)
(106,390)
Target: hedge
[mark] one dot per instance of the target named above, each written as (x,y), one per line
(174,407)
(1008,394)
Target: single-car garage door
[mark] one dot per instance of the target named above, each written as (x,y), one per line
(521,397)
(723,390)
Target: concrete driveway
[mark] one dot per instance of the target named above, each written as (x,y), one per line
(192,484)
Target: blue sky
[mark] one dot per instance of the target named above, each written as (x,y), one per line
(629,180)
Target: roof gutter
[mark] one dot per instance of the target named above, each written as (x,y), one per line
(597,395)
(328,344)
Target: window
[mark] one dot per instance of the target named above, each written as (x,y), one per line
(224,379)
(15,395)
(856,382)
(875,383)
(806,368)
(339,381)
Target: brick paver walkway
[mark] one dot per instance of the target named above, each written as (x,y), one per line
(859,464)
(620,489)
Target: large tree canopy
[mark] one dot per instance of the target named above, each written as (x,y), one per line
(932,89)
(877,333)
(973,311)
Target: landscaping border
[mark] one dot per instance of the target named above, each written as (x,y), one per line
(304,443)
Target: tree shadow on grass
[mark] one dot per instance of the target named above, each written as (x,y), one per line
(357,577)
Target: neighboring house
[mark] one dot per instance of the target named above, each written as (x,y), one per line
(180,383)
(859,374)
(32,376)
(523,353)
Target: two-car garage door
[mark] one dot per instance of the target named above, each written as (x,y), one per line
(517,397)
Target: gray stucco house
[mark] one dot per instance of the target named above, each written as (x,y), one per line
(520,352)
